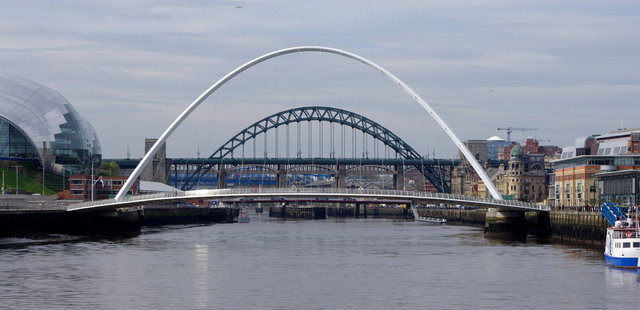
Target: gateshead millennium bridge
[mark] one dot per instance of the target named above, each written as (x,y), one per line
(376,132)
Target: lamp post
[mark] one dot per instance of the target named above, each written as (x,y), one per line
(16,166)
(43,165)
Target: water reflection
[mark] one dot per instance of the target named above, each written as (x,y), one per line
(342,264)
(201,275)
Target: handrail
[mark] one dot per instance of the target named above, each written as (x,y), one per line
(357,193)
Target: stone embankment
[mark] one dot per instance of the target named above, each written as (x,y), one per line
(586,227)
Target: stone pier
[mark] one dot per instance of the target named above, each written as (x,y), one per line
(505,223)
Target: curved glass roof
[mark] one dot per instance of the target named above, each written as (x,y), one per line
(49,121)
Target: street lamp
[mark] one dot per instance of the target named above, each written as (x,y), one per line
(16,166)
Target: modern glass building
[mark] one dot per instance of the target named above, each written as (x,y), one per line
(494,144)
(37,123)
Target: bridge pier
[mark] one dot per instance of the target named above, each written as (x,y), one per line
(222,176)
(398,178)
(281,177)
(341,176)
(500,223)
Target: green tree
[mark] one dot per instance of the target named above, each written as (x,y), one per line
(109,168)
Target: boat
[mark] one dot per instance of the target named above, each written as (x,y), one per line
(244,216)
(417,217)
(622,243)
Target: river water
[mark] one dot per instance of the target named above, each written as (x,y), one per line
(330,264)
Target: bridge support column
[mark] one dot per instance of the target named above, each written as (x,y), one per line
(222,176)
(500,223)
(340,177)
(542,224)
(281,177)
(398,178)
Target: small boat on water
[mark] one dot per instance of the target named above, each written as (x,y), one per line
(622,243)
(244,216)
(419,218)
(431,220)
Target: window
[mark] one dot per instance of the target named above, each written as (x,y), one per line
(636,244)
(76,181)
(579,190)
(626,245)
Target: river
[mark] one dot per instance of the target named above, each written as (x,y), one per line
(329,264)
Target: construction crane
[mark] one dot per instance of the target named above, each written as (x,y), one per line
(509,130)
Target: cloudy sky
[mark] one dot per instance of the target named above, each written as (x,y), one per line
(568,68)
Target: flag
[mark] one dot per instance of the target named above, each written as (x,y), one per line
(99,180)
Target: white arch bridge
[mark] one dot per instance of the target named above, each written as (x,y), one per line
(348,195)
(121,200)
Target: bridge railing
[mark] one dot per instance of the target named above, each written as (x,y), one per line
(240,192)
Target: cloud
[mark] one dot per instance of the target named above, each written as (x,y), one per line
(569,68)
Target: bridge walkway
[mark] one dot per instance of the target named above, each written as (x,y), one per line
(348,195)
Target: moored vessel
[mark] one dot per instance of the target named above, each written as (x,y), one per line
(622,243)
(419,218)
(244,216)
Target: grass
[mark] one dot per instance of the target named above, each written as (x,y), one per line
(24,182)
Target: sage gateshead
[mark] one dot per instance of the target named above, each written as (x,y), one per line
(39,124)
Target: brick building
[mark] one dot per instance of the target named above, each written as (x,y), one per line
(104,187)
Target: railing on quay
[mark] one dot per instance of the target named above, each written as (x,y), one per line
(359,193)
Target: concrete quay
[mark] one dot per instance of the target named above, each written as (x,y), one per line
(22,222)
(587,227)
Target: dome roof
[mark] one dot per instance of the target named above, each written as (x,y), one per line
(48,120)
(516,152)
(495,138)
(583,142)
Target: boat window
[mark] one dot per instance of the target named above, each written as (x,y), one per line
(636,244)
(626,245)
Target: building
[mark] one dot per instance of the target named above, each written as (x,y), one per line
(494,145)
(621,187)
(619,142)
(598,168)
(478,149)
(525,179)
(531,146)
(577,178)
(39,124)
(158,168)
(103,187)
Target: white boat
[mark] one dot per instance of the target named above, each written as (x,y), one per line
(419,218)
(244,216)
(622,243)
(431,220)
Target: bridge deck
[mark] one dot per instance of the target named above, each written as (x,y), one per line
(348,195)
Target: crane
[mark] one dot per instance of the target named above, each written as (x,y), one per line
(509,130)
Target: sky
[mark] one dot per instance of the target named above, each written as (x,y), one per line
(567,68)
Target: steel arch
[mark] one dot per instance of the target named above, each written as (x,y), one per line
(318,113)
(299,49)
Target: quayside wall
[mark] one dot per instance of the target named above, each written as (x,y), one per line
(127,221)
(322,212)
(571,226)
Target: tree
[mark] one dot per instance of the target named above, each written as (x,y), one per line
(109,168)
